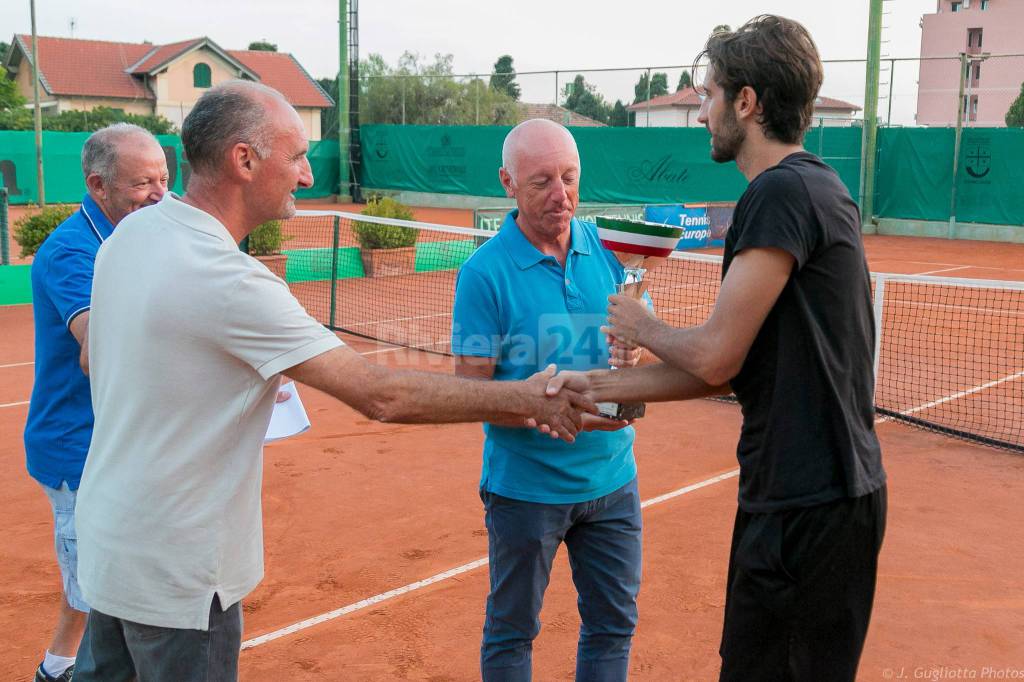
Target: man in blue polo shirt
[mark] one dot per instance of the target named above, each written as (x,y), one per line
(536,294)
(125,169)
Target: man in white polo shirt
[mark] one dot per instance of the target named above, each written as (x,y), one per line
(188,339)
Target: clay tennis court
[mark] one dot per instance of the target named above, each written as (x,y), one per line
(357,514)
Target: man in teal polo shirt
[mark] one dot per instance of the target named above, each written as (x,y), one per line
(125,169)
(533,295)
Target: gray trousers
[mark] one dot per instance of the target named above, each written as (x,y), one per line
(117,650)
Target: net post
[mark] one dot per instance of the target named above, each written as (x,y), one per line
(334,271)
(878,306)
(5,249)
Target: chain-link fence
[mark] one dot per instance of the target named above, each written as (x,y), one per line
(912,91)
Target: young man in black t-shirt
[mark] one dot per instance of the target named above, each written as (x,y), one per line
(793,336)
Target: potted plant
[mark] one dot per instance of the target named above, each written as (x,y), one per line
(386,249)
(265,246)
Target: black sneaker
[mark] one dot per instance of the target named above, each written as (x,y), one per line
(65,676)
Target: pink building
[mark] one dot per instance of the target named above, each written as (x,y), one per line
(978,28)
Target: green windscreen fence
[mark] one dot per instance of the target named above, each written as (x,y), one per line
(620,166)
(915,174)
(62,166)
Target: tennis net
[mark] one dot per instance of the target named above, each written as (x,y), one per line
(949,354)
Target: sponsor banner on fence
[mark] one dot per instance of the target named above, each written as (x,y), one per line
(703,225)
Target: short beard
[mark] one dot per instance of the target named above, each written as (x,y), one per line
(727,141)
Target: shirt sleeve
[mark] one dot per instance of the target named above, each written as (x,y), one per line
(67,281)
(476,327)
(781,217)
(268,329)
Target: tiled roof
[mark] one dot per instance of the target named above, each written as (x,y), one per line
(687,97)
(97,68)
(553,112)
(283,72)
(163,53)
(93,68)
(831,103)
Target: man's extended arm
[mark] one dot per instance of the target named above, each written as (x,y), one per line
(651,383)
(482,368)
(406,396)
(715,351)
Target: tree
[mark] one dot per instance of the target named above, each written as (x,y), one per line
(262,46)
(658,87)
(3,50)
(10,98)
(722,28)
(584,99)
(619,116)
(504,76)
(684,81)
(1015,115)
(416,92)
(659,84)
(329,116)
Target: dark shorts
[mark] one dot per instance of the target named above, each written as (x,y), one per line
(799,593)
(118,650)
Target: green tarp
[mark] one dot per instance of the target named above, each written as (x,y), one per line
(62,166)
(15,284)
(620,166)
(915,174)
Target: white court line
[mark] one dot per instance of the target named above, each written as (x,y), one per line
(935,272)
(398,319)
(951,306)
(23,402)
(17,364)
(955,396)
(450,573)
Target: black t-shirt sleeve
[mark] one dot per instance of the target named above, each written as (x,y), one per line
(782,216)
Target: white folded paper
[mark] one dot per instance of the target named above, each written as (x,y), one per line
(289,418)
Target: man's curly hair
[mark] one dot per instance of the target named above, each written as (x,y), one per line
(778,59)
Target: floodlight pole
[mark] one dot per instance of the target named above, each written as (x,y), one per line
(870,134)
(41,191)
(344,190)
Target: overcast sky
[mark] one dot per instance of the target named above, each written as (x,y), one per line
(563,35)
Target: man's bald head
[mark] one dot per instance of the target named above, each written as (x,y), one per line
(228,114)
(532,136)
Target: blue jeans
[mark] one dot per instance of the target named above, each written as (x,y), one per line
(65,540)
(603,538)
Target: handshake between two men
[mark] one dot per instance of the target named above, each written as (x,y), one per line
(632,326)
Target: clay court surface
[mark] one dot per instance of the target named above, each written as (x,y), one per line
(354,510)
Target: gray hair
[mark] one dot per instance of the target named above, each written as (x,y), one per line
(99,153)
(227,114)
(510,148)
